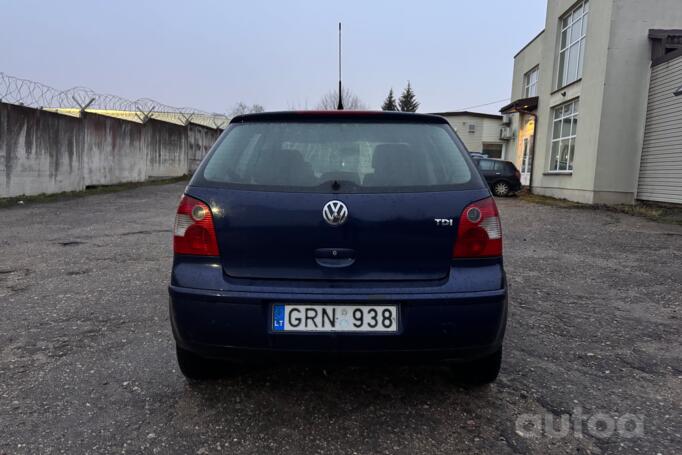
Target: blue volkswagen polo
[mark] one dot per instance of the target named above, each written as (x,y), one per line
(338,235)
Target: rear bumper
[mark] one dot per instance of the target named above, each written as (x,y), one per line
(238,326)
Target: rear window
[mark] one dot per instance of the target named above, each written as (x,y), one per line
(348,157)
(491,165)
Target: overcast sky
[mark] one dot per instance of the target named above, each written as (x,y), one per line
(281,54)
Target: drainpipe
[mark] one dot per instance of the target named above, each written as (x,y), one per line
(532,145)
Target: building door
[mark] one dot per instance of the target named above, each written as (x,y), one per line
(525,162)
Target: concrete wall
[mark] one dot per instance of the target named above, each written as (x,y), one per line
(39,152)
(200,141)
(45,152)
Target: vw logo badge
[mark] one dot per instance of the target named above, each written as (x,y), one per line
(335,213)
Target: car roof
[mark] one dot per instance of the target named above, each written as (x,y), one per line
(340,116)
(496,159)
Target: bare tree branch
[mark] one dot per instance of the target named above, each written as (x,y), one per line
(241,108)
(351,102)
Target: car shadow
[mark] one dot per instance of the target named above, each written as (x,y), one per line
(361,383)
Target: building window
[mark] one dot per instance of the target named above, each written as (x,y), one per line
(530,83)
(472,128)
(492,150)
(564,127)
(572,44)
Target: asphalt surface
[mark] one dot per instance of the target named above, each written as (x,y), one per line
(87,359)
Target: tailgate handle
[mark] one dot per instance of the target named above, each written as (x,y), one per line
(334,257)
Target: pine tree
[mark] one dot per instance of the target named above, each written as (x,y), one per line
(408,102)
(389,103)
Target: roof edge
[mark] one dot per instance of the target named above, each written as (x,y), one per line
(664,32)
(469,113)
(529,43)
(337,115)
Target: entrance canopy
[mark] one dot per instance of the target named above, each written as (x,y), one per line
(521,105)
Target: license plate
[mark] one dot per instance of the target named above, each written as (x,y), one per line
(334,318)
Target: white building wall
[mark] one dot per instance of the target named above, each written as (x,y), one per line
(626,89)
(527,59)
(612,96)
(578,185)
(490,133)
(460,124)
(486,130)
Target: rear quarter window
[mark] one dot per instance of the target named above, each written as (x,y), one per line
(486,165)
(352,157)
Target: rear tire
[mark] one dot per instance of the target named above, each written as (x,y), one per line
(501,189)
(195,367)
(480,371)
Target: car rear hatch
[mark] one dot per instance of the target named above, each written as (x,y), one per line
(385,236)
(397,192)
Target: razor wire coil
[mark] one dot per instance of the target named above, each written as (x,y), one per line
(25,92)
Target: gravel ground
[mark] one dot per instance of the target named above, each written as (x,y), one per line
(87,361)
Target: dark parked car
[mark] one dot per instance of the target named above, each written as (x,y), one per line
(502,176)
(338,235)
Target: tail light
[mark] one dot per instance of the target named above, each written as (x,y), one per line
(194,232)
(480,232)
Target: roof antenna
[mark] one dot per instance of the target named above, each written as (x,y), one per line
(340,105)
